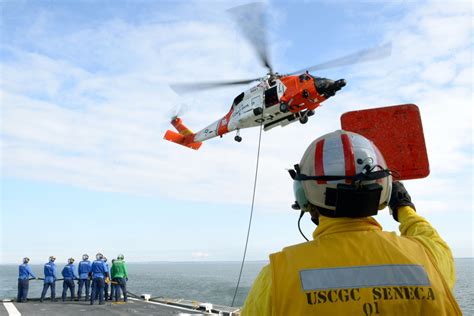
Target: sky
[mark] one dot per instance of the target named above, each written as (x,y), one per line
(85,102)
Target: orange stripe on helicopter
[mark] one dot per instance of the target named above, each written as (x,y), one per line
(223,129)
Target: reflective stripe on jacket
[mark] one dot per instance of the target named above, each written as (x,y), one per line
(352,267)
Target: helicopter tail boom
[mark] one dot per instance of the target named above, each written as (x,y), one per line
(185,136)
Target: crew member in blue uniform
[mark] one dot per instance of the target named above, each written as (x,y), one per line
(98,273)
(24,273)
(84,269)
(106,282)
(69,276)
(49,279)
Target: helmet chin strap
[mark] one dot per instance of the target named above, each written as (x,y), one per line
(369,175)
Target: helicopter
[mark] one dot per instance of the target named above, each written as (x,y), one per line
(277,99)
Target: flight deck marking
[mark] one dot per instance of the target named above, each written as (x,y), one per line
(167,305)
(11,309)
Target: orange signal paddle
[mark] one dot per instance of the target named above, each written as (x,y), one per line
(398,133)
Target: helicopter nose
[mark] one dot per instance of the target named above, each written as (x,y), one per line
(341,83)
(327,87)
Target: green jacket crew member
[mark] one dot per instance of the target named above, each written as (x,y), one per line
(120,277)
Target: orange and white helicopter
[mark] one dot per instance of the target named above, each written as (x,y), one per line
(277,100)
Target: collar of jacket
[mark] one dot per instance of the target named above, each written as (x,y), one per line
(329,225)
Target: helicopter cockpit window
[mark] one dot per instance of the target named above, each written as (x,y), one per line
(304,77)
(238,98)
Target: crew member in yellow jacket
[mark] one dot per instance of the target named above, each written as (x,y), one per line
(352,267)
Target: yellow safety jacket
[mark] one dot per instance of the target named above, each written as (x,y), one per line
(352,267)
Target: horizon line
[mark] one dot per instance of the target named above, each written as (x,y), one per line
(190,261)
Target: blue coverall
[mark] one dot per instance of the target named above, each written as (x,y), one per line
(69,276)
(84,269)
(99,271)
(24,273)
(49,280)
(106,286)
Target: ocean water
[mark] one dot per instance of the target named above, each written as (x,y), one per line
(212,282)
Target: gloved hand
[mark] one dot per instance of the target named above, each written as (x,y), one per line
(107,280)
(126,279)
(399,198)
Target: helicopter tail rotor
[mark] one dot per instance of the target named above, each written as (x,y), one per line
(177,111)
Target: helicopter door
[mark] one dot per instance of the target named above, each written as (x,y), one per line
(271,97)
(256,103)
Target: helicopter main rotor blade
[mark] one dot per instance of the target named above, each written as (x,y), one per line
(250,19)
(191,87)
(361,56)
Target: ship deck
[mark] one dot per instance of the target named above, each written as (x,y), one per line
(134,306)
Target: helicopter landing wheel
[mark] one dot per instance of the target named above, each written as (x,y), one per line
(304,119)
(238,139)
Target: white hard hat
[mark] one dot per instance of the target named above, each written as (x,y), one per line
(85,256)
(345,173)
(99,256)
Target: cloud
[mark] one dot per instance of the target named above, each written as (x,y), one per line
(89,106)
(200,255)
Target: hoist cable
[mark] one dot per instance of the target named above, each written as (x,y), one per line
(251,211)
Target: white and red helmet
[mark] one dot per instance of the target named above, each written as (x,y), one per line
(342,157)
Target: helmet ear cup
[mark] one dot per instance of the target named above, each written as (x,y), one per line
(300,197)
